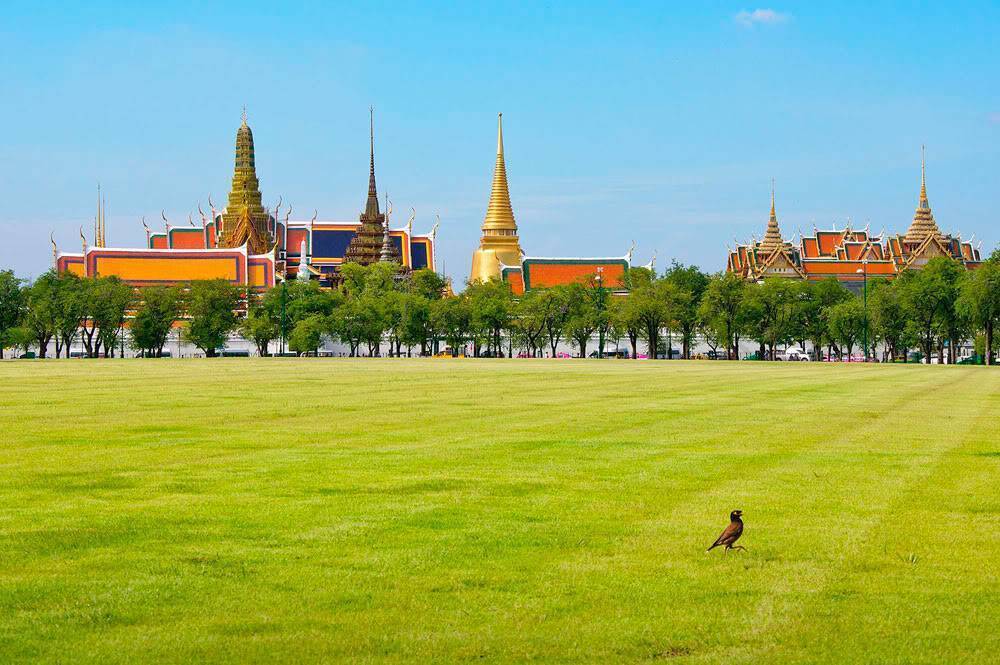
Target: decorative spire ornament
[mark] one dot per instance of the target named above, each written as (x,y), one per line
(923,224)
(772,237)
(499,242)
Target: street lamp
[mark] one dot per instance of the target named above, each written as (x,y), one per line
(600,307)
(864,271)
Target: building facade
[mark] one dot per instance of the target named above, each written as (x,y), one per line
(849,254)
(251,246)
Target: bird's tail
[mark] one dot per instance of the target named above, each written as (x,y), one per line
(714,545)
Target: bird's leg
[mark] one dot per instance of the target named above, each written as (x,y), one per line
(739,547)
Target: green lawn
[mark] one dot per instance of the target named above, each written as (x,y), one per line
(438,510)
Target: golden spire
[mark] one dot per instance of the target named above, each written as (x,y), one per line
(923,224)
(245,221)
(499,243)
(499,214)
(772,237)
(923,178)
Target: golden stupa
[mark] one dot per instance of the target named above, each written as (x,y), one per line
(499,243)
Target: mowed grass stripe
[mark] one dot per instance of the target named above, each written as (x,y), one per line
(409,510)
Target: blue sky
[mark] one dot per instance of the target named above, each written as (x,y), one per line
(657,122)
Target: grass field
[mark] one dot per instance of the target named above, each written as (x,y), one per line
(406,510)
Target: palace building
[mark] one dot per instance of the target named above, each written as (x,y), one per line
(249,245)
(500,256)
(851,254)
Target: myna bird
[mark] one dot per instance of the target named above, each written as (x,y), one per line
(731,533)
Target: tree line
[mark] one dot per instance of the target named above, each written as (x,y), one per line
(376,311)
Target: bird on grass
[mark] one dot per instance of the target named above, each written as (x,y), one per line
(731,533)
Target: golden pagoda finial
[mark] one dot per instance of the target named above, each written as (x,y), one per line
(923,177)
(500,133)
(923,224)
(772,197)
(772,237)
(244,116)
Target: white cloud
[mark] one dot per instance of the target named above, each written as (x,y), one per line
(749,19)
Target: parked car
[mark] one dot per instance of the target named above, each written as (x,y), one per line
(794,353)
(618,353)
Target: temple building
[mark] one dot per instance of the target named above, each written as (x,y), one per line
(500,255)
(851,254)
(249,245)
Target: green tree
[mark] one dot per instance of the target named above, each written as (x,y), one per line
(625,321)
(492,307)
(11,307)
(159,308)
(691,283)
(211,309)
(20,337)
(43,310)
(307,334)
(290,302)
(922,294)
(116,299)
(720,310)
(554,303)
(949,325)
(655,306)
(888,318)
(415,322)
(814,308)
(770,313)
(452,318)
(260,328)
(529,322)
(70,305)
(582,321)
(847,320)
(979,303)
(426,283)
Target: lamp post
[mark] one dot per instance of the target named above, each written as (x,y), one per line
(864,271)
(600,307)
(281,350)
